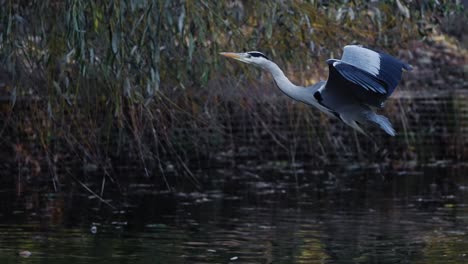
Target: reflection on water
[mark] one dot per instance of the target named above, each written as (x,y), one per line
(418,217)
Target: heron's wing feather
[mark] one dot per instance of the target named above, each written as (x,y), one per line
(362,58)
(383,67)
(360,77)
(348,85)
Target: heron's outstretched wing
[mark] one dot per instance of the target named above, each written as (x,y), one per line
(339,91)
(367,75)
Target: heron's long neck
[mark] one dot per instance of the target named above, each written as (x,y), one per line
(283,82)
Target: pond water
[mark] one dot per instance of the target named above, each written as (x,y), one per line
(420,216)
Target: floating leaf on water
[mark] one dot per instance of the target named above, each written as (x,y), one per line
(25,253)
(119,223)
(234,258)
(156,225)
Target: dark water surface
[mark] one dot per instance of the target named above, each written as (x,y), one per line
(419,216)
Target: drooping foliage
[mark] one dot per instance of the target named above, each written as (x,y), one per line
(143,79)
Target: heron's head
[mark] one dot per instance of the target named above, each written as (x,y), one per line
(250,57)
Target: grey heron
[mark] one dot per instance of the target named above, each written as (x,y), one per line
(357,85)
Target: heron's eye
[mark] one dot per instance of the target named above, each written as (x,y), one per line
(257,54)
(249,56)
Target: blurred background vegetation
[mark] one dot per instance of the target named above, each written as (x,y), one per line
(106,85)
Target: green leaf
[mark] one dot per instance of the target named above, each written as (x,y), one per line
(191,47)
(115,42)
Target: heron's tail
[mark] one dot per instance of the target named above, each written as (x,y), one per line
(383,123)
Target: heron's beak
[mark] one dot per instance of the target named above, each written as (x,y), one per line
(231,55)
(237,56)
